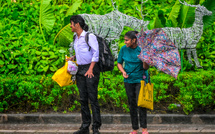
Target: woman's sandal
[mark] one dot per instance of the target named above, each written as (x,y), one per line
(145,132)
(133,132)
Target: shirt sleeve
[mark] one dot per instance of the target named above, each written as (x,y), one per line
(94,47)
(120,59)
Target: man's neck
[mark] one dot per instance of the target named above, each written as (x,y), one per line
(79,32)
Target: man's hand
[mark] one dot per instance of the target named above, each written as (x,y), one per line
(89,73)
(71,58)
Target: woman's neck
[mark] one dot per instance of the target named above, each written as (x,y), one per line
(133,46)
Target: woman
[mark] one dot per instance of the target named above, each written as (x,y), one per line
(133,72)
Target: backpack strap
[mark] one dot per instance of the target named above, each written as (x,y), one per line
(74,37)
(87,40)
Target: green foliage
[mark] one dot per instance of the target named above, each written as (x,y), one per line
(192,91)
(28,57)
(32,93)
(206,50)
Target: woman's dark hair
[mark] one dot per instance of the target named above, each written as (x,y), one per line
(131,34)
(78,19)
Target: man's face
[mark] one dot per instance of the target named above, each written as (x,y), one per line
(73,26)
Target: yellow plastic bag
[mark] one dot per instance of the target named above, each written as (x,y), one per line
(145,98)
(62,77)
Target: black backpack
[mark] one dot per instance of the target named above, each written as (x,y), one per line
(106,59)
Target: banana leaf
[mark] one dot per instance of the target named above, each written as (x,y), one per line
(187,14)
(47,18)
(74,7)
(209,20)
(156,23)
(65,36)
(174,14)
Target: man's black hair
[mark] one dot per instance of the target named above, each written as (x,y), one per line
(78,19)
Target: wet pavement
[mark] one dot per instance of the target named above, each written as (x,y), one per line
(112,124)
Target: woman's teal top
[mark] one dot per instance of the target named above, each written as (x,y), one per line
(133,65)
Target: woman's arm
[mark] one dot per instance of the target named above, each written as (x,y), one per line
(122,70)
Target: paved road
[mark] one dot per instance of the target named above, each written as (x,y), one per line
(105,129)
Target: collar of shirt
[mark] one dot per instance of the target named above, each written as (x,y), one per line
(82,34)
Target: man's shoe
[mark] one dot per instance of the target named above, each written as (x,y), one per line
(96,131)
(82,131)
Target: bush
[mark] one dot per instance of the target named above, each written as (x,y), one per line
(193,91)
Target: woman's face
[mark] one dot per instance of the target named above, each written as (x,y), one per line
(129,42)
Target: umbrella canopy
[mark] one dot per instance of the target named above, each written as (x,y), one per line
(159,51)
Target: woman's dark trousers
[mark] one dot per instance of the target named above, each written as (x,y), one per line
(88,90)
(132,90)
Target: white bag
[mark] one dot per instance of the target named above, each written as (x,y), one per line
(72,68)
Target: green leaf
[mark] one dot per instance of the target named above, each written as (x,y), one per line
(22,60)
(45,53)
(174,13)
(47,18)
(156,23)
(208,20)
(1,27)
(38,53)
(11,66)
(65,36)
(162,17)
(45,69)
(74,7)
(62,51)
(53,68)
(183,15)
(1,62)
(2,69)
(44,62)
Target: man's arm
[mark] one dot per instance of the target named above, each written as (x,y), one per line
(89,72)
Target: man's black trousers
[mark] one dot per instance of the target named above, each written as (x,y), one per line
(88,90)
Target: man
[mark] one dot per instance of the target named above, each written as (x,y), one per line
(87,77)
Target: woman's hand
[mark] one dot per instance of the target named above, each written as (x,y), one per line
(125,75)
(145,66)
(89,73)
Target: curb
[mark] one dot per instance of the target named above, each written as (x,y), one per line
(75,118)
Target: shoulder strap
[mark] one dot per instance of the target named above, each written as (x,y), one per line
(134,69)
(74,37)
(87,40)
